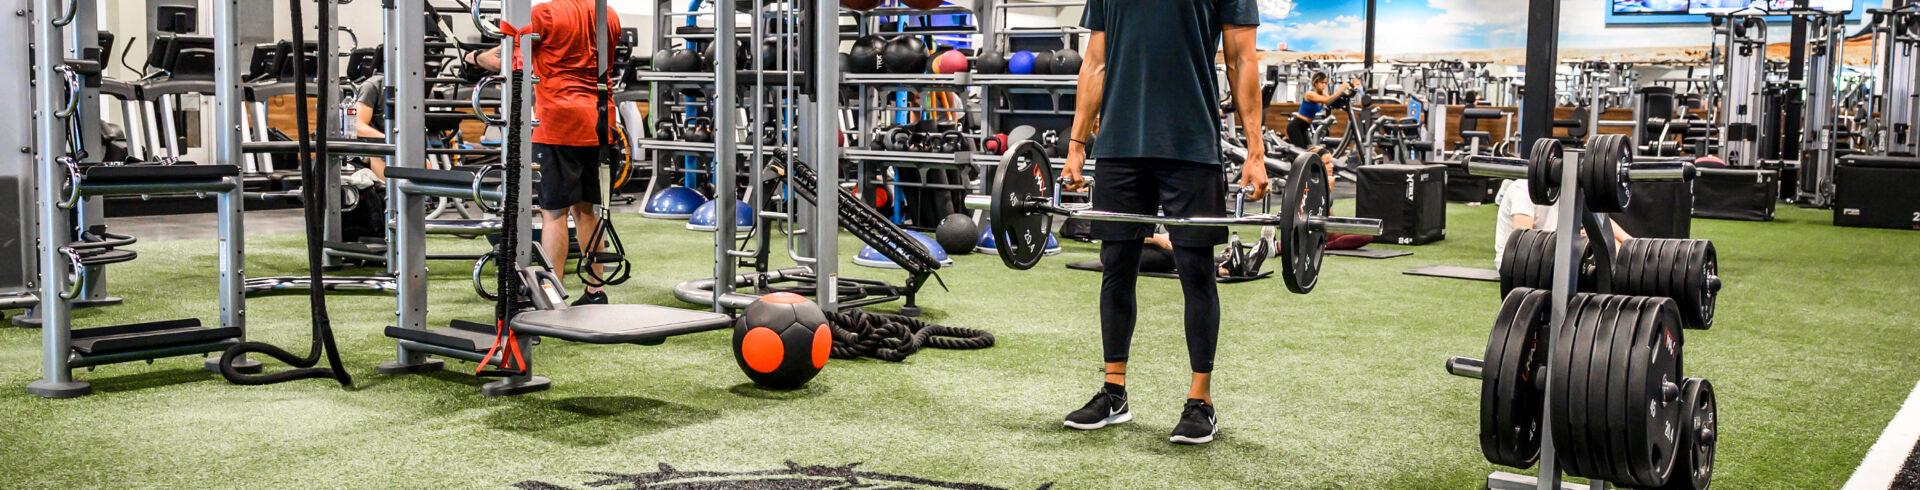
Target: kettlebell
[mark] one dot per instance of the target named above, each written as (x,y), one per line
(770,134)
(684,60)
(1051,140)
(996,144)
(700,130)
(666,130)
(899,139)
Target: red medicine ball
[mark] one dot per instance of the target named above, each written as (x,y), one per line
(782,341)
(860,5)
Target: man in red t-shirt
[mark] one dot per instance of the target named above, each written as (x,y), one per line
(565,144)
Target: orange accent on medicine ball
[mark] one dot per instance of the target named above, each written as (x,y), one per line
(784,298)
(822,345)
(762,349)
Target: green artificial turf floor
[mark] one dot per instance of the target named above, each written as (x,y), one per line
(1812,354)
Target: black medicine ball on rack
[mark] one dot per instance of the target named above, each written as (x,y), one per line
(866,54)
(990,63)
(1066,62)
(1043,63)
(905,55)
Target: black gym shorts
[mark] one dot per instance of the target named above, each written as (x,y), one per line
(1154,186)
(568,175)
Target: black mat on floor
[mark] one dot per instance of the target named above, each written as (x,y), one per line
(1456,272)
(1094,266)
(1367,253)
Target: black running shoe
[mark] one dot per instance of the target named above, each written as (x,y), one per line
(595,298)
(1108,407)
(1197,424)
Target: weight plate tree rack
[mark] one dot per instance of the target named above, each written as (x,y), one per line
(1590,383)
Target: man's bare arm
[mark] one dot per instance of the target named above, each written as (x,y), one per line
(1093,81)
(1243,80)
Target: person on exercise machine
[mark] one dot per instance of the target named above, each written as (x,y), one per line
(1148,85)
(369,115)
(1518,212)
(1312,103)
(564,144)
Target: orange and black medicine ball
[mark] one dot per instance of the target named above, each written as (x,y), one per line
(782,341)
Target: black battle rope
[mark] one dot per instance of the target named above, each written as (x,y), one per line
(604,232)
(507,277)
(860,333)
(311,157)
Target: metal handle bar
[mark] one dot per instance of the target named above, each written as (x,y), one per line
(474,100)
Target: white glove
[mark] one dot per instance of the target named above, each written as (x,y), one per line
(360,179)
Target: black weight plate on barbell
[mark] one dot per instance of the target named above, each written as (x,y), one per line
(1539,260)
(1559,371)
(1597,448)
(1633,405)
(1542,187)
(1519,411)
(1577,444)
(1492,377)
(1520,249)
(1656,417)
(1020,230)
(1509,258)
(1305,199)
(1699,424)
(1623,323)
(1529,404)
(1696,308)
(1601,176)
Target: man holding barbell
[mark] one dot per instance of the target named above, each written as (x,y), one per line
(1159,153)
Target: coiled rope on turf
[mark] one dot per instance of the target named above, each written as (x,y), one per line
(312,155)
(858,333)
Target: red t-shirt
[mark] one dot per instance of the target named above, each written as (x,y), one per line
(564,60)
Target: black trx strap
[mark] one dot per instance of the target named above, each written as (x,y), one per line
(602,129)
(311,158)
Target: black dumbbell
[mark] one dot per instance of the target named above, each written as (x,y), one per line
(699,130)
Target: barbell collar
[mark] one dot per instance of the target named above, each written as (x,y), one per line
(979,202)
(1346,226)
(1465,367)
(1660,171)
(1500,167)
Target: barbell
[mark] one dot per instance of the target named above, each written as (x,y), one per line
(1607,165)
(1025,197)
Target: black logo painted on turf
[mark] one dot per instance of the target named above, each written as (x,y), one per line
(793,477)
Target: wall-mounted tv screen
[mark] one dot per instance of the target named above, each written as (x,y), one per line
(1693,11)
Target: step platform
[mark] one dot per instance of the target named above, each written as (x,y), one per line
(618,324)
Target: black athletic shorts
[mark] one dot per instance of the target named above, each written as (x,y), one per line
(568,175)
(1153,186)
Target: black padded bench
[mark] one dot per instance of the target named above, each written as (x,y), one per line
(618,324)
(157,174)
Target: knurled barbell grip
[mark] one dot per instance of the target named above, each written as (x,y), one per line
(1494,166)
(1346,226)
(1660,171)
(1465,367)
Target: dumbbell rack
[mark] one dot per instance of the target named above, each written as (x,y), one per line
(1571,213)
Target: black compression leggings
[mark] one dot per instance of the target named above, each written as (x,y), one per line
(1120,261)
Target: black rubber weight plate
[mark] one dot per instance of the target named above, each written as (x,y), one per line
(1492,376)
(1510,261)
(1301,246)
(1020,232)
(1663,368)
(1531,407)
(1578,448)
(1693,468)
(1522,401)
(1624,323)
(1523,270)
(1600,384)
(1559,371)
(1540,274)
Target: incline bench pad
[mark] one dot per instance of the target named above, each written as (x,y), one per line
(617,324)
